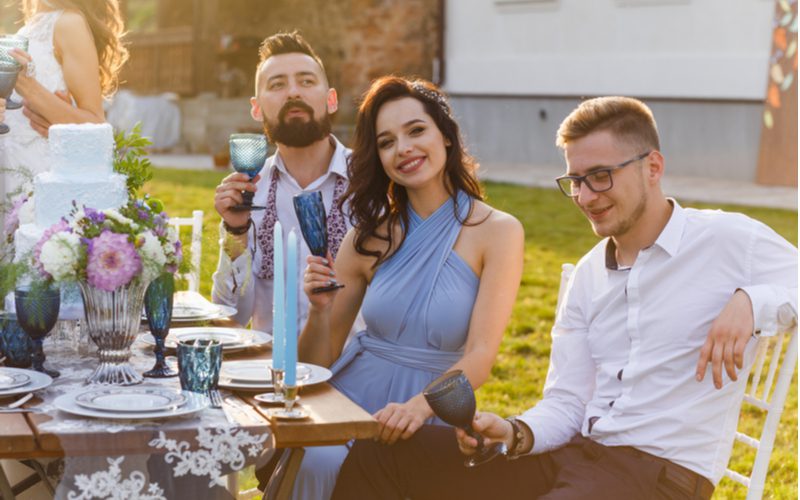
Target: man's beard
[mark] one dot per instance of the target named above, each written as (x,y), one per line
(297,133)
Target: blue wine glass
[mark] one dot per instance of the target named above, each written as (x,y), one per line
(452,399)
(158,309)
(8,42)
(37,312)
(313,223)
(248,154)
(15,344)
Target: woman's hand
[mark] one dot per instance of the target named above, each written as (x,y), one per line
(402,420)
(319,273)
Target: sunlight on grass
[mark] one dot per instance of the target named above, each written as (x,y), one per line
(555,232)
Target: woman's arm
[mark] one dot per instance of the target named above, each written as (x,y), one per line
(503,242)
(74,47)
(331,314)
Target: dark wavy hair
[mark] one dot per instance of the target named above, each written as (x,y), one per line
(375,199)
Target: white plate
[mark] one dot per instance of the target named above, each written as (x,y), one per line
(10,380)
(131,399)
(194,403)
(38,381)
(316,375)
(232,339)
(258,372)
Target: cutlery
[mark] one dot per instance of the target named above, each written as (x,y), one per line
(21,401)
(20,410)
(216,398)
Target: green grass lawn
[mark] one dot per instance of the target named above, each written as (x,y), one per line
(555,232)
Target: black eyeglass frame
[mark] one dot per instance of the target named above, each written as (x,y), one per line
(583,179)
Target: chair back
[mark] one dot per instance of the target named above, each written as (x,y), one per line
(195,248)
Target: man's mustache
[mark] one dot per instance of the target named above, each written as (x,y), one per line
(294,104)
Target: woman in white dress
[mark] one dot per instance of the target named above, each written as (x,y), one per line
(73,60)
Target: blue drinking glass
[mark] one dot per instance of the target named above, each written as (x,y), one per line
(313,224)
(452,399)
(37,312)
(248,154)
(158,309)
(15,344)
(199,362)
(8,42)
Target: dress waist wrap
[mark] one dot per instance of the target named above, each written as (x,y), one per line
(430,360)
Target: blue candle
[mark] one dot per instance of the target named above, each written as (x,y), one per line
(278,301)
(291,310)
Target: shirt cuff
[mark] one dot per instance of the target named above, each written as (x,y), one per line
(773,312)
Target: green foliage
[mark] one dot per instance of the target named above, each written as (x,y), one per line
(555,232)
(130,158)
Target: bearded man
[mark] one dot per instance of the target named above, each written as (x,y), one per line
(295,102)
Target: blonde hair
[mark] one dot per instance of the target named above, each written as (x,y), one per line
(628,119)
(105,22)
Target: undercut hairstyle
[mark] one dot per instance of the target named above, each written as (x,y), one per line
(286,43)
(628,119)
(374,198)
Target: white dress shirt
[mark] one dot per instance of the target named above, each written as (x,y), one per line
(235,282)
(626,341)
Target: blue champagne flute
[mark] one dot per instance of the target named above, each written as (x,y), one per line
(313,224)
(452,399)
(37,312)
(248,154)
(158,310)
(8,42)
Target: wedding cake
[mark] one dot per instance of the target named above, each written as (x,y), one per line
(82,170)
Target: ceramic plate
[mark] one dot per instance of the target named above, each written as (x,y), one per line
(134,399)
(10,380)
(232,339)
(37,382)
(194,403)
(316,375)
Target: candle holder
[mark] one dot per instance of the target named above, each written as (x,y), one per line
(289,411)
(275,397)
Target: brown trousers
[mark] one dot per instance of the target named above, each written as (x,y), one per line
(429,466)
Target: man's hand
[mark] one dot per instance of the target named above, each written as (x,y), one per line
(229,194)
(493,429)
(727,339)
(38,122)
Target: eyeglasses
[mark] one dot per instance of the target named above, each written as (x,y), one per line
(597,181)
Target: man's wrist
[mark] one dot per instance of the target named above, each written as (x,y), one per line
(237,230)
(521,440)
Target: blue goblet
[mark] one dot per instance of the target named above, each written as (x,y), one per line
(15,344)
(248,154)
(158,309)
(8,42)
(313,224)
(37,312)
(452,399)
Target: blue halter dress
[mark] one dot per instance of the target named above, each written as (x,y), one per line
(417,310)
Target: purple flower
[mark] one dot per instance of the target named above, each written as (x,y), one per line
(12,219)
(112,262)
(143,215)
(95,216)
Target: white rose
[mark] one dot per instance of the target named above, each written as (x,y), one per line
(114,214)
(59,256)
(26,213)
(153,258)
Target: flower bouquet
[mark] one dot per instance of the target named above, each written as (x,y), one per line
(113,255)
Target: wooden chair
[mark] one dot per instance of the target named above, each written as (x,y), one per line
(195,248)
(766,390)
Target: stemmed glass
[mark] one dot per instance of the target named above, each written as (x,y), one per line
(452,399)
(158,309)
(311,214)
(248,154)
(37,312)
(8,42)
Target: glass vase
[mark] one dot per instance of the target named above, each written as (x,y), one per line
(113,319)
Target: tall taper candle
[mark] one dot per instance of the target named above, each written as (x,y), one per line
(290,379)
(278,301)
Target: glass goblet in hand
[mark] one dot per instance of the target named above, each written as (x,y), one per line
(248,154)
(8,42)
(313,224)
(452,399)
(37,312)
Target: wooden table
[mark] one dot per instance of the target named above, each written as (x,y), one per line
(334,420)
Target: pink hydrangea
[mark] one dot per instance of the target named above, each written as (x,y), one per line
(112,261)
(11,222)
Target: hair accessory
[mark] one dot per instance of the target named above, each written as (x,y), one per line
(432,95)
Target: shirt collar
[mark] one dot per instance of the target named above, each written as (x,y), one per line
(669,240)
(338,164)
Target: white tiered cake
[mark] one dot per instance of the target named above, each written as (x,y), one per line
(82,170)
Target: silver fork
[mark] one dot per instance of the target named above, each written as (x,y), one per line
(215,397)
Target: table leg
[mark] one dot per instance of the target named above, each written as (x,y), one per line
(5,486)
(282,481)
(233,484)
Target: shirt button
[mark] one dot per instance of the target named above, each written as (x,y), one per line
(611,404)
(619,375)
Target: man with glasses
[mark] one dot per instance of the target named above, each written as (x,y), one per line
(627,410)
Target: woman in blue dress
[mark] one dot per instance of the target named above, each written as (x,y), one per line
(434,270)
